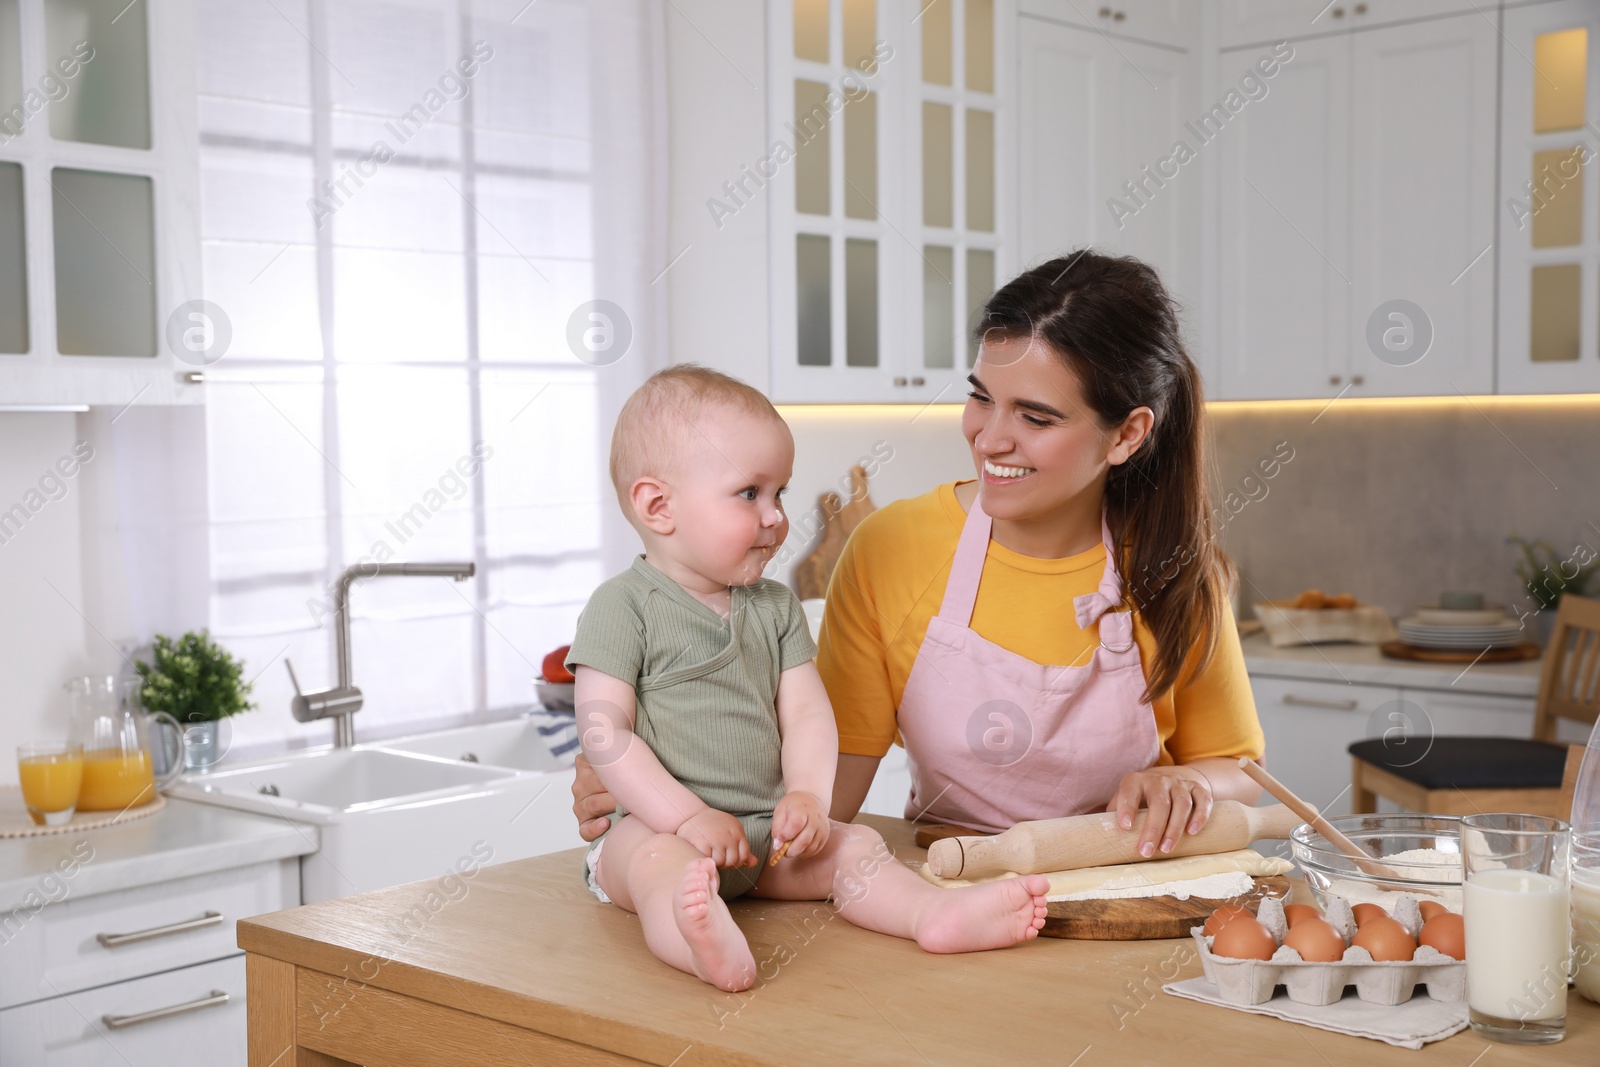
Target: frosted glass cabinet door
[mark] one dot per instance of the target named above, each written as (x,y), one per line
(109,100)
(10,61)
(13,262)
(105,263)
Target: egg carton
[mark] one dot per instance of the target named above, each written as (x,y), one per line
(1388,983)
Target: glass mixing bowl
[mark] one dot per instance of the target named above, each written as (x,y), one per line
(1328,870)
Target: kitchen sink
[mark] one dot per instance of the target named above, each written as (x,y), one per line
(400,812)
(514,743)
(321,784)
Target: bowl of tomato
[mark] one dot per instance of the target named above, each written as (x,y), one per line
(554,684)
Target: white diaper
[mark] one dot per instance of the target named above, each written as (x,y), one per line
(591,860)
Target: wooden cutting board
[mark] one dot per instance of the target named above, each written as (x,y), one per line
(1514,654)
(1128,919)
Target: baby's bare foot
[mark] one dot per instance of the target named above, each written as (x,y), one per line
(992,915)
(721,954)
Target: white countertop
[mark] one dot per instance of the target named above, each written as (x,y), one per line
(1365,665)
(181,840)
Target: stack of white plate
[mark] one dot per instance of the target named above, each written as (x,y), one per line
(1444,628)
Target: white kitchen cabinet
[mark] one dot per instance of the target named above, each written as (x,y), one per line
(1481,715)
(132,955)
(1422,106)
(894,220)
(1308,727)
(1126,194)
(1331,211)
(1283,233)
(1244,23)
(99,205)
(1169,22)
(1549,324)
(60,950)
(125,1024)
(891,785)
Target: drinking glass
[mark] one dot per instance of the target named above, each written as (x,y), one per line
(1518,929)
(51,775)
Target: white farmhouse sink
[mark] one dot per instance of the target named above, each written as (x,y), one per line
(319,785)
(516,744)
(384,817)
(513,743)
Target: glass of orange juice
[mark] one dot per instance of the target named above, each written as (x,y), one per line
(51,777)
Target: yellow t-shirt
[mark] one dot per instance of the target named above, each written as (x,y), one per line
(890,581)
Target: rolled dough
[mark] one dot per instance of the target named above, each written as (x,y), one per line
(1152,873)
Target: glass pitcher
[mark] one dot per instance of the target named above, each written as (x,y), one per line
(118,768)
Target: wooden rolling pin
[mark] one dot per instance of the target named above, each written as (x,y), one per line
(1096,840)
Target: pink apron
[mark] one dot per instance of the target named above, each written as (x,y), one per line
(995,738)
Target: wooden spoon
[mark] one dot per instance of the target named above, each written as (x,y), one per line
(1310,814)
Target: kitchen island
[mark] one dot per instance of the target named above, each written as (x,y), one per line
(517,963)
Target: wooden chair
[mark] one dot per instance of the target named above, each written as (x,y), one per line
(1464,775)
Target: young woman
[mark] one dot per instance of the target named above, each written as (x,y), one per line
(1053,638)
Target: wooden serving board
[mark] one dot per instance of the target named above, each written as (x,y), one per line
(1127,919)
(1514,654)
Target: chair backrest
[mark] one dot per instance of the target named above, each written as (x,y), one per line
(1569,688)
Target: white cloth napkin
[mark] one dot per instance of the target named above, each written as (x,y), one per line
(1410,1025)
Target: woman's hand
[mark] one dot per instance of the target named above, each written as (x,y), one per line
(591,804)
(718,835)
(799,820)
(1179,799)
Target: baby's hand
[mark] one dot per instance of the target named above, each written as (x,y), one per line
(799,822)
(718,835)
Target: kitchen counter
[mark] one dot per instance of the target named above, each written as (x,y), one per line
(1365,665)
(181,840)
(525,966)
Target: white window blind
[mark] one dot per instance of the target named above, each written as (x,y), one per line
(398,204)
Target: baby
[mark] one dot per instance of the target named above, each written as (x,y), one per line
(702,711)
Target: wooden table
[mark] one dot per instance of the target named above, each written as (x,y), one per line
(519,965)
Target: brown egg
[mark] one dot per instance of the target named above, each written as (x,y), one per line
(1447,933)
(1244,939)
(1430,908)
(1223,916)
(1386,939)
(1365,912)
(1316,941)
(1294,914)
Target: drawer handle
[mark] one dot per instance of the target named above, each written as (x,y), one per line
(210,918)
(122,1022)
(1313,702)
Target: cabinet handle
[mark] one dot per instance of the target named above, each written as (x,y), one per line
(122,1022)
(900,381)
(1119,16)
(919,381)
(1334,379)
(1313,702)
(1356,379)
(1338,12)
(1105,12)
(1361,9)
(210,918)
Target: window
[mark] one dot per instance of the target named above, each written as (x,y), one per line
(397,230)
(887,200)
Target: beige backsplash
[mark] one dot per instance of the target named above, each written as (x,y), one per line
(1390,501)
(1395,502)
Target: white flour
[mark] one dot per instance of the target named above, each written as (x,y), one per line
(1211,887)
(1364,892)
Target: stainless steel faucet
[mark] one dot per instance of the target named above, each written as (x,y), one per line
(344,699)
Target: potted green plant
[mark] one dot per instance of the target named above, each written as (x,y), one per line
(1547,576)
(198,683)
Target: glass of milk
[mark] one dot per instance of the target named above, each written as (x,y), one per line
(1518,926)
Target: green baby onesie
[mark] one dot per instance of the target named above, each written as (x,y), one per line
(706,689)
